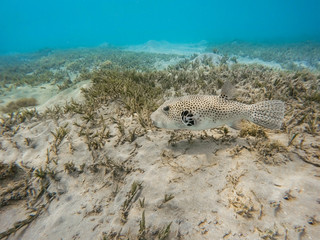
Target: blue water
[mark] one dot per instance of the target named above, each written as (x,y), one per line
(31,25)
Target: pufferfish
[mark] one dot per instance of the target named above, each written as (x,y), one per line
(200,112)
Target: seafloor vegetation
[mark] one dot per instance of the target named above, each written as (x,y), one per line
(57,66)
(125,88)
(132,80)
(293,56)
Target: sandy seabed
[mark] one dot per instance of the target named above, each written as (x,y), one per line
(111,178)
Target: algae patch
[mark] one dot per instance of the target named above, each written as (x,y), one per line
(14,106)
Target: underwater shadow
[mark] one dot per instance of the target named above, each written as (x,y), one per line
(208,146)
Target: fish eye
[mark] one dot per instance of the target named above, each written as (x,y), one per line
(166,108)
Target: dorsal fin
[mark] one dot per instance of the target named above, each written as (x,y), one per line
(227,90)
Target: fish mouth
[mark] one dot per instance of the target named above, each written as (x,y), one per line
(158,120)
(157,124)
(154,123)
(154,117)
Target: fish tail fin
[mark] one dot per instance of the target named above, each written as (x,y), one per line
(268,114)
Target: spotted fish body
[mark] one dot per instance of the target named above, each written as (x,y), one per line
(199,112)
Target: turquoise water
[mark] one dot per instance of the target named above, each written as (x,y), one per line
(87,87)
(32,25)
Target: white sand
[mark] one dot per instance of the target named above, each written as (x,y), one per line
(47,95)
(246,60)
(195,48)
(222,188)
(169,48)
(217,194)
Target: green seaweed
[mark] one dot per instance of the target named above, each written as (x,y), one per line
(142,229)
(168,197)
(14,106)
(135,188)
(164,232)
(286,54)
(70,168)
(252,130)
(40,173)
(59,135)
(141,202)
